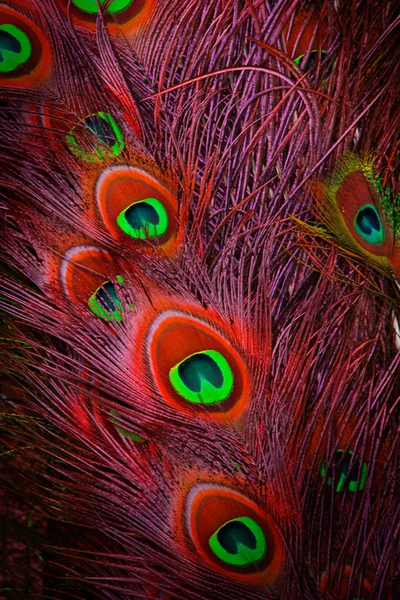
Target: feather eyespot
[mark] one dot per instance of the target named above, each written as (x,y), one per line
(310,61)
(356,199)
(24,51)
(305,41)
(358,212)
(124,15)
(133,203)
(232,534)
(85,272)
(195,366)
(96,137)
(347,473)
(305,35)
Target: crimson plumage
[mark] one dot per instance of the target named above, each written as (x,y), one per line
(200,225)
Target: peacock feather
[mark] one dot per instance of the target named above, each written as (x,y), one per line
(200,299)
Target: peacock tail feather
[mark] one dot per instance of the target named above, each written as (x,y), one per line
(200,300)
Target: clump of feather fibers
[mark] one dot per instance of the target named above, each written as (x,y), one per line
(314,378)
(244,131)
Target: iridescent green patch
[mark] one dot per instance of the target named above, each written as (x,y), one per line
(15,48)
(108,138)
(235,465)
(389,202)
(369,226)
(144,219)
(91,6)
(104,303)
(203,378)
(240,542)
(124,433)
(346,479)
(310,61)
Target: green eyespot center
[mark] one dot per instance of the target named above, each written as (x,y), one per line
(91,6)
(144,219)
(240,542)
(369,226)
(203,378)
(104,303)
(311,60)
(351,479)
(15,48)
(107,135)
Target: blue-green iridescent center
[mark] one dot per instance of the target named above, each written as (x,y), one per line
(369,226)
(15,48)
(239,542)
